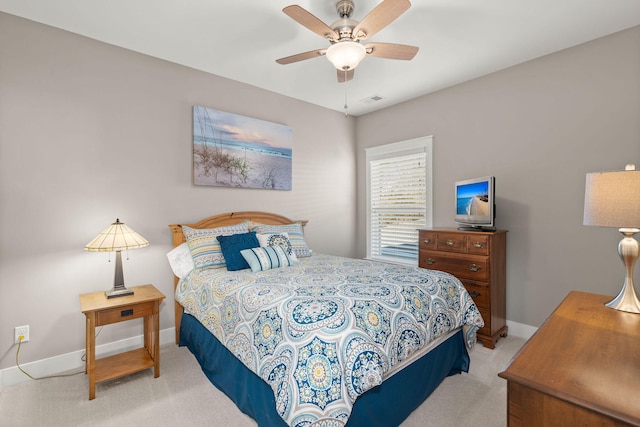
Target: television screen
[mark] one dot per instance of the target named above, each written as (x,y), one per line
(475,202)
(473,199)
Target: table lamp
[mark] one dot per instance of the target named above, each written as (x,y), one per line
(116,238)
(612,199)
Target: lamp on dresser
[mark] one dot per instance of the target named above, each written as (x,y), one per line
(612,199)
(116,238)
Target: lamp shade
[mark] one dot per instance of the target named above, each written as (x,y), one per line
(116,237)
(612,199)
(346,55)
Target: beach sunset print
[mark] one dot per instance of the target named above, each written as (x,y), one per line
(473,199)
(230,150)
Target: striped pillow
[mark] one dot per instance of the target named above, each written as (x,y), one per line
(266,258)
(204,246)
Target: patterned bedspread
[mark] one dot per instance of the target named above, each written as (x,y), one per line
(328,329)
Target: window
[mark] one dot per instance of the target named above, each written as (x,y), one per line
(398,199)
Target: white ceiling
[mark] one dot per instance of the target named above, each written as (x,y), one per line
(241,39)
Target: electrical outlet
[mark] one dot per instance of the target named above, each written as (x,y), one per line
(21,331)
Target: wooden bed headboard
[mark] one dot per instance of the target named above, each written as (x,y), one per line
(219,221)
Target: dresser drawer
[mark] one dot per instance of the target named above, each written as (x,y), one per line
(478,244)
(451,242)
(119,314)
(469,267)
(479,292)
(428,240)
(486,316)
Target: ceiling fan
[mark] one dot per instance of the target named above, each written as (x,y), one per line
(345,34)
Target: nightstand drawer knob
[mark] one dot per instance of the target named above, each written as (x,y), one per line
(474,294)
(429,261)
(427,241)
(451,242)
(125,313)
(478,245)
(474,267)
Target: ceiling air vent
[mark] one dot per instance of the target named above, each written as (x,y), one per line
(371,99)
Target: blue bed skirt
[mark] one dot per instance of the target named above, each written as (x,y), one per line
(386,405)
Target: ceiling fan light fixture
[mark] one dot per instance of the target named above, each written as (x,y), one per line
(346,55)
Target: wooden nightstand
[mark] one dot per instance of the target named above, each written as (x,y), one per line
(99,311)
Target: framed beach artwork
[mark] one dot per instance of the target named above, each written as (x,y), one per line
(230,150)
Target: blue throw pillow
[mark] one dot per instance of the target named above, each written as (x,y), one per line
(232,245)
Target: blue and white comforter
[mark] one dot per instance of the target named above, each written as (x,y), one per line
(328,329)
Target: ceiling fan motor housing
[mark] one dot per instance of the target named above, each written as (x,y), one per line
(344,28)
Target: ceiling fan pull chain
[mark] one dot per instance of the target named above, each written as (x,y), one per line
(345,94)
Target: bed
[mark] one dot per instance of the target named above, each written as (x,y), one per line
(305,339)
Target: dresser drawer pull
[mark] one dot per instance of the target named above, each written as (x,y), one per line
(125,313)
(427,241)
(474,294)
(474,267)
(429,261)
(450,242)
(478,245)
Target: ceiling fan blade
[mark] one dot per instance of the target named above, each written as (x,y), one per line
(345,78)
(391,50)
(381,16)
(301,56)
(308,20)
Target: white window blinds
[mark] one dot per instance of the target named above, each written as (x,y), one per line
(399,189)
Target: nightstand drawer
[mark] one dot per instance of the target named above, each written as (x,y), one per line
(122,313)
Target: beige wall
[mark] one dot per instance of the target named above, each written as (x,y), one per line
(539,127)
(90,132)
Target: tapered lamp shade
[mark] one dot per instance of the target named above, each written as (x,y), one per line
(612,199)
(116,238)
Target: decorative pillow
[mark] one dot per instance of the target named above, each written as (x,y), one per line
(205,248)
(294,231)
(180,260)
(232,245)
(280,239)
(266,258)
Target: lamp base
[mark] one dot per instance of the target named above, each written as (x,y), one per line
(628,249)
(118,290)
(114,293)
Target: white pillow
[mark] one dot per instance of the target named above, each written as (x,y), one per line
(180,260)
(279,239)
(294,231)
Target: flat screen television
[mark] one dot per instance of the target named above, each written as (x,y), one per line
(475,203)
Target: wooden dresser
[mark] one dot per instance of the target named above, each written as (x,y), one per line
(581,368)
(478,259)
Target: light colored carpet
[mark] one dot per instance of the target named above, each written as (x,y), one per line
(182,395)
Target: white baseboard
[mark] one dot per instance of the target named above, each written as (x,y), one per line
(72,361)
(521,330)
